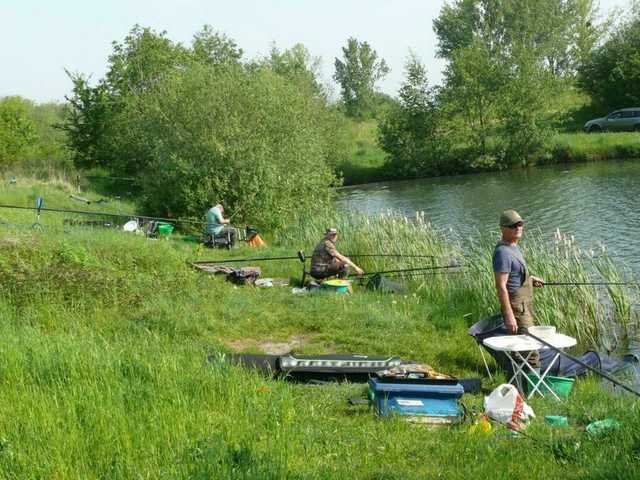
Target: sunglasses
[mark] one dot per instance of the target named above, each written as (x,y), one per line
(516,225)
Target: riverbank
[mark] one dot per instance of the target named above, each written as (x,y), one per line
(366,162)
(106,336)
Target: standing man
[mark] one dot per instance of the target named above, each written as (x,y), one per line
(327,261)
(218,226)
(513,282)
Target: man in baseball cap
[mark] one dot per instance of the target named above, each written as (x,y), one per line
(513,281)
(326,261)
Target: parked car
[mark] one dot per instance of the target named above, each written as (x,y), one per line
(619,120)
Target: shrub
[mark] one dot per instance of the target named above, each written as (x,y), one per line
(246,137)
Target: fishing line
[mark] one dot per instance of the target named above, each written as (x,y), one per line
(562,284)
(106,214)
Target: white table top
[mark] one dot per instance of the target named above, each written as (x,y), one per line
(522,343)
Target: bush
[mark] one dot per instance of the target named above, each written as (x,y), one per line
(30,139)
(245,137)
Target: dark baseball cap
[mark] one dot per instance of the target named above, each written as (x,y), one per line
(509,217)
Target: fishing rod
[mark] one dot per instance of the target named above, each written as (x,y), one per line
(425,273)
(365,255)
(106,214)
(419,274)
(580,362)
(297,257)
(405,270)
(241,260)
(554,284)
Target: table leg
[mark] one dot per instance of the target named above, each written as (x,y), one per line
(541,377)
(517,365)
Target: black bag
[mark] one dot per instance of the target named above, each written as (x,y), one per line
(250,232)
(381,284)
(244,276)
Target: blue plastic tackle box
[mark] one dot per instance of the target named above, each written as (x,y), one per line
(434,401)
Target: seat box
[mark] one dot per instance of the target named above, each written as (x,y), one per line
(430,401)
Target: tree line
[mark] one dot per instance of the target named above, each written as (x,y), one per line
(507,62)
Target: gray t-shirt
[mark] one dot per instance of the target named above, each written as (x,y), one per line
(509,259)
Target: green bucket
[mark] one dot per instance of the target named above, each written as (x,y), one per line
(164,228)
(560,385)
(337,285)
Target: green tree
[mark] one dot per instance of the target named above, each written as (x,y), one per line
(138,63)
(612,73)
(409,133)
(504,61)
(141,61)
(558,32)
(473,82)
(215,48)
(357,74)
(296,64)
(526,97)
(245,136)
(17,130)
(90,111)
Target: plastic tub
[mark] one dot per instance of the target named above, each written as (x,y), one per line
(164,228)
(337,285)
(562,386)
(543,331)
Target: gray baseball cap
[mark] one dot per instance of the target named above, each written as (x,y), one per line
(509,217)
(331,231)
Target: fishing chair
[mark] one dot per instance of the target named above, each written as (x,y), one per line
(218,241)
(485,328)
(302,259)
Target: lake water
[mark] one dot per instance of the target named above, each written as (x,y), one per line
(596,203)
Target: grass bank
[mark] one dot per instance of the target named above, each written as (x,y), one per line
(105,336)
(367,160)
(365,157)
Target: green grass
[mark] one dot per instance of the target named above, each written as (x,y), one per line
(366,158)
(103,370)
(585,147)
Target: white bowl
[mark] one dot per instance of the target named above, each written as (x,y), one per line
(543,331)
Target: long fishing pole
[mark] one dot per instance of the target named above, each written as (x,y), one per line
(106,214)
(580,362)
(241,260)
(297,257)
(403,270)
(554,284)
(364,255)
(425,273)
(421,274)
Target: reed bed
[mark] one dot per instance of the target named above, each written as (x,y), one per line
(601,317)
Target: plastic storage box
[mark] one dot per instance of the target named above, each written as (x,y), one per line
(562,386)
(431,401)
(164,228)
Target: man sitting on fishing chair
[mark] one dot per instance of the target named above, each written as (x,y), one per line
(218,226)
(328,262)
(513,282)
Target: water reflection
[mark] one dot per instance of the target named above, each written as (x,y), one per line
(597,203)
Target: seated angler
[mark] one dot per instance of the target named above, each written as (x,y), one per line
(218,226)
(327,261)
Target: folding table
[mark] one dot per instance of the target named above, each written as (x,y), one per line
(514,346)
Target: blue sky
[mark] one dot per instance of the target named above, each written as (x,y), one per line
(40,39)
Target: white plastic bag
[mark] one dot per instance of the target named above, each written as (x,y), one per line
(506,405)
